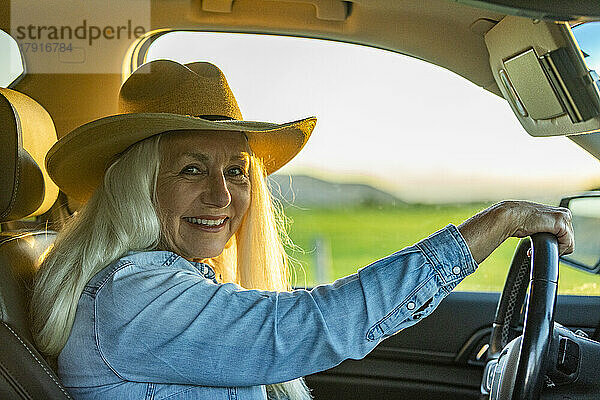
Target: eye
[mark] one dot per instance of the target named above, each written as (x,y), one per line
(191,170)
(236,172)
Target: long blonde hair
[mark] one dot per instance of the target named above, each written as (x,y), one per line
(121,217)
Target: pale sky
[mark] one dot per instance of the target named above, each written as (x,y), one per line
(12,65)
(410,127)
(587,36)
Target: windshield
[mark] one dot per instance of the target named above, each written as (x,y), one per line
(401,148)
(587,36)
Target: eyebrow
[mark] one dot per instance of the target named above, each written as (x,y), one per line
(198,156)
(204,158)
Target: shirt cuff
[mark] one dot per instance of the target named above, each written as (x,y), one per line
(448,253)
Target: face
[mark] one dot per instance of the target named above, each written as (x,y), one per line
(202,190)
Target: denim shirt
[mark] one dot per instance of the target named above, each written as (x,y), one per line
(153,325)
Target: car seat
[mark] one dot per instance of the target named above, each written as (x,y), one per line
(26,134)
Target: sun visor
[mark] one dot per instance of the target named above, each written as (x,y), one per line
(26,134)
(541,73)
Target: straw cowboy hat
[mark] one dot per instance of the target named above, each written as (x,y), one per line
(162,96)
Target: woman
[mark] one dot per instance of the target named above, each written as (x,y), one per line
(172,279)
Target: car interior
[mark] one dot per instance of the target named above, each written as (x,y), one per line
(524,53)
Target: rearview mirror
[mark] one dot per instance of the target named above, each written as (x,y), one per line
(586,224)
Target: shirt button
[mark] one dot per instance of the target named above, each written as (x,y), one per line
(456,270)
(410,305)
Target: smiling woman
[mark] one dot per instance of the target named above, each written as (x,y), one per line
(193,189)
(164,192)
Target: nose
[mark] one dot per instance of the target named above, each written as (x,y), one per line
(217,193)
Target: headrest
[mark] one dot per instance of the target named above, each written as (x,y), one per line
(26,134)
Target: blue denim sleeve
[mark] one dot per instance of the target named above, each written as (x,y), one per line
(171,325)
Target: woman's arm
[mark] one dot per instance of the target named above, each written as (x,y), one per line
(167,323)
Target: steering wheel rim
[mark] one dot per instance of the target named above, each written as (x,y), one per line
(539,314)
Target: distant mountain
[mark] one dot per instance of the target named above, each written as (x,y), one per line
(306,191)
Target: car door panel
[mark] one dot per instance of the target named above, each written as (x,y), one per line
(435,359)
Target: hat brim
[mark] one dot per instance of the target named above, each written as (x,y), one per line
(77,162)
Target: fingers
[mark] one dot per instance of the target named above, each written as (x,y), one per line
(533,218)
(564,232)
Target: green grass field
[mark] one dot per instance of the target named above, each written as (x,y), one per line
(357,236)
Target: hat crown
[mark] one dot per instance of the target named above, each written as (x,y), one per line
(163,86)
(163,96)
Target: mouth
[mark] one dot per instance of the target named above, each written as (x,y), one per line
(207,224)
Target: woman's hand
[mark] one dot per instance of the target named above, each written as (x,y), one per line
(488,229)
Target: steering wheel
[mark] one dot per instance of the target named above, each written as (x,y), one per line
(517,364)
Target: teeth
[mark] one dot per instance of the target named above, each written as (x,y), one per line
(207,222)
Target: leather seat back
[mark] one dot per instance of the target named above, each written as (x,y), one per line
(26,134)
(19,260)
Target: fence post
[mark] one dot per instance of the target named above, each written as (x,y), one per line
(322,260)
